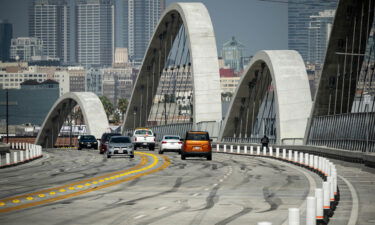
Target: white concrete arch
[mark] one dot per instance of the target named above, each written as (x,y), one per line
(204,64)
(93,113)
(292,94)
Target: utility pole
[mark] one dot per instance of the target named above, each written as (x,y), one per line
(7,115)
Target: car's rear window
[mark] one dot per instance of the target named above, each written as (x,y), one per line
(88,138)
(143,132)
(197,136)
(120,140)
(171,138)
(109,135)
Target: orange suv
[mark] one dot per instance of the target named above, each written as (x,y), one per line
(197,143)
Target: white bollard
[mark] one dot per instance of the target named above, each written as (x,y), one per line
(238,149)
(258,150)
(264,151)
(331,189)
(225,148)
(21,156)
(306,159)
(301,158)
(311,211)
(295,157)
(311,161)
(319,203)
(231,149)
(315,162)
(290,155)
(293,217)
(277,152)
(27,155)
(12,145)
(251,150)
(15,158)
(23,145)
(245,149)
(326,195)
(217,147)
(271,151)
(264,223)
(284,153)
(334,175)
(7,159)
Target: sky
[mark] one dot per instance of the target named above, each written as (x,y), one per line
(259,25)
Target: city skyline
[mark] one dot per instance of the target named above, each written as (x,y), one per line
(240,24)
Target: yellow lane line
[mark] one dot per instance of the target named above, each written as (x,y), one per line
(80,183)
(166,163)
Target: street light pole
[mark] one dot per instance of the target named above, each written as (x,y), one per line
(7,115)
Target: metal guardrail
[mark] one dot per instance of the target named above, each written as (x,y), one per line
(353,131)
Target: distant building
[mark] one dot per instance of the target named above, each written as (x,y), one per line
(26,49)
(138,20)
(49,20)
(229,84)
(319,31)
(6,33)
(94,32)
(299,12)
(94,81)
(118,83)
(32,102)
(232,54)
(77,79)
(12,77)
(226,72)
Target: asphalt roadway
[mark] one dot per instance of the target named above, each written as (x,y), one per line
(84,187)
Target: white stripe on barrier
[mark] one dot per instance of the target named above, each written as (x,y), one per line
(295,157)
(21,156)
(277,152)
(301,158)
(271,151)
(225,148)
(306,159)
(326,195)
(231,149)
(258,150)
(238,149)
(264,151)
(284,153)
(290,155)
(245,149)
(217,147)
(331,189)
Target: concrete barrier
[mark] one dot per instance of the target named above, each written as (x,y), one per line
(311,211)
(293,216)
(23,152)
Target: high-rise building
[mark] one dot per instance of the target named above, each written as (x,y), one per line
(95,32)
(299,12)
(139,19)
(49,20)
(232,54)
(26,48)
(319,30)
(6,33)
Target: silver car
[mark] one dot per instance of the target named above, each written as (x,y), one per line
(120,145)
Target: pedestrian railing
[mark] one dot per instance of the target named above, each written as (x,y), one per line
(22,153)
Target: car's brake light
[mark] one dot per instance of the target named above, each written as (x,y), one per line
(164,142)
(180,142)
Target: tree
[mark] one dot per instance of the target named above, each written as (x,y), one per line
(108,106)
(123,105)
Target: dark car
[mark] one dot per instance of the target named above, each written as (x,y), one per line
(87,141)
(104,141)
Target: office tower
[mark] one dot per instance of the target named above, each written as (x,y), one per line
(6,33)
(26,49)
(232,54)
(319,30)
(49,20)
(95,32)
(139,19)
(299,12)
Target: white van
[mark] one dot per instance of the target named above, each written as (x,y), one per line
(144,137)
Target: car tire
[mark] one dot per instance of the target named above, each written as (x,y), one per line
(209,157)
(79,148)
(161,152)
(135,147)
(179,152)
(108,156)
(183,157)
(131,156)
(151,148)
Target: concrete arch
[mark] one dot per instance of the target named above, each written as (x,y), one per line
(93,113)
(287,74)
(203,58)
